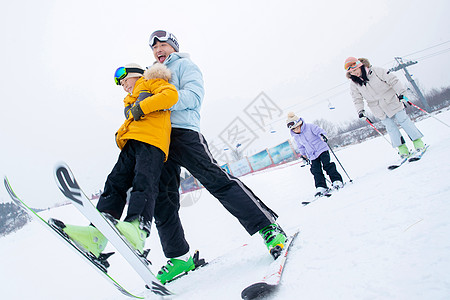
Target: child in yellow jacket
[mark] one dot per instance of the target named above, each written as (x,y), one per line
(144,141)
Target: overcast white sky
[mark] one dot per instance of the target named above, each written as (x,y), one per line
(58,57)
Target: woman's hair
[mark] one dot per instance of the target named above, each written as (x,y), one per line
(360,80)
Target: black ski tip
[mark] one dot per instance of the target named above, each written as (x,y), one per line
(257,291)
(393,167)
(57,223)
(158,289)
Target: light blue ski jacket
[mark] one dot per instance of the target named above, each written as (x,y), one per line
(188,80)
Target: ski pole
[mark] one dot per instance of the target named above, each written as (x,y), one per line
(326,141)
(373,126)
(410,103)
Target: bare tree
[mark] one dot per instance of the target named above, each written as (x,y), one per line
(236,153)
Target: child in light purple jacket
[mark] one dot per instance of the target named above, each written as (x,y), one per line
(311,143)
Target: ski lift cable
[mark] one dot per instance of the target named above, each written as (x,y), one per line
(392,62)
(433,54)
(254,127)
(317,95)
(345,83)
(427,48)
(304,107)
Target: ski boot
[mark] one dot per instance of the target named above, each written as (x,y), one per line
(175,267)
(132,231)
(274,238)
(321,191)
(420,149)
(419,145)
(403,151)
(337,184)
(86,238)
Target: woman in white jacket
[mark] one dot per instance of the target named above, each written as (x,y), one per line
(385,96)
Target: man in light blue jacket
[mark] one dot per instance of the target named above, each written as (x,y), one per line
(189,149)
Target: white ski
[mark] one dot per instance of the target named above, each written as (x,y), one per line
(271,281)
(70,188)
(93,262)
(418,154)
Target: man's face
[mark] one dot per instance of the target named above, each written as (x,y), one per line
(161,50)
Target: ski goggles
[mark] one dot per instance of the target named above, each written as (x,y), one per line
(353,65)
(293,124)
(122,72)
(162,36)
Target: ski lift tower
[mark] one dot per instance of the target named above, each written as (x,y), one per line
(402,65)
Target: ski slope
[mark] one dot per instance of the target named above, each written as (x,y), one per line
(384,236)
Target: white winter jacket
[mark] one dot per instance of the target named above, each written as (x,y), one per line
(380,92)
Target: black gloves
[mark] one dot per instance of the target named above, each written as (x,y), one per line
(324,138)
(404,100)
(307,161)
(362,114)
(137,112)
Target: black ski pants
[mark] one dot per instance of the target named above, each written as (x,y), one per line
(189,149)
(323,161)
(138,166)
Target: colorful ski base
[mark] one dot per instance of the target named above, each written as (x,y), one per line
(418,156)
(412,158)
(271,281)
(67,241)
(70,188)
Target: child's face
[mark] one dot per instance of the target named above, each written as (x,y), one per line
(161,50)
(128,84)
(297,129)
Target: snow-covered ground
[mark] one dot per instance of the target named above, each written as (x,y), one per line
(384,236)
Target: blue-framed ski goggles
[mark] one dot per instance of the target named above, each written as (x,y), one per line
(354,65)
(122,72)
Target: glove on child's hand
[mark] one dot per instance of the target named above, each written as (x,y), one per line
(307,161)
(137,112)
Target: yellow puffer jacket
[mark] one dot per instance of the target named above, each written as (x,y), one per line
(154,127)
